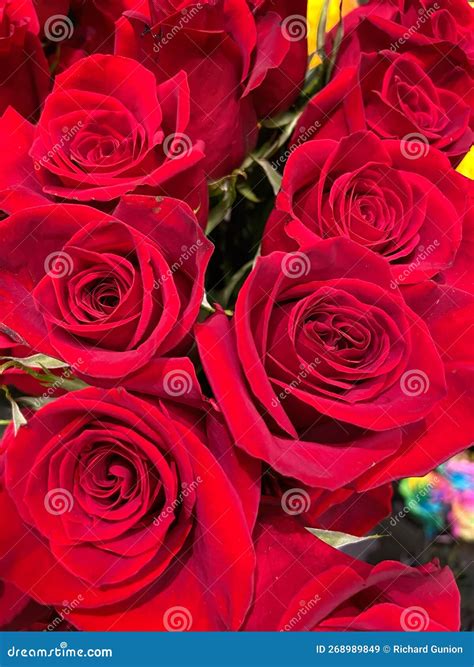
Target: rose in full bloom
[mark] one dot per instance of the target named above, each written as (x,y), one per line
(122,504)
(24,74)
(245,59)
(115,291)
(406,204)
(303,584)
(417,94)
(399,24)
(334,377)
(107,130)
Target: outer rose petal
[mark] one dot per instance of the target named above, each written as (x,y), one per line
(295,571)
(448,428)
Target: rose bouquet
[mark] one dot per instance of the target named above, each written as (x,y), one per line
(236,305)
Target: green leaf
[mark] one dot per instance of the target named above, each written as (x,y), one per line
(34,402)
(338,540)
(205,305)
(246,191)
(226,190)
(279,121)
(38,361)
(323,19)
(336,45)
(273,176)
(17,417)
(234,281)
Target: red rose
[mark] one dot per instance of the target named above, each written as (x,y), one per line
(116,291)
(113,500)
(399,24)
(107,130)
(420,95)
(406,203)
(244,59)
(331,378)
(24,75)
(303,584)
